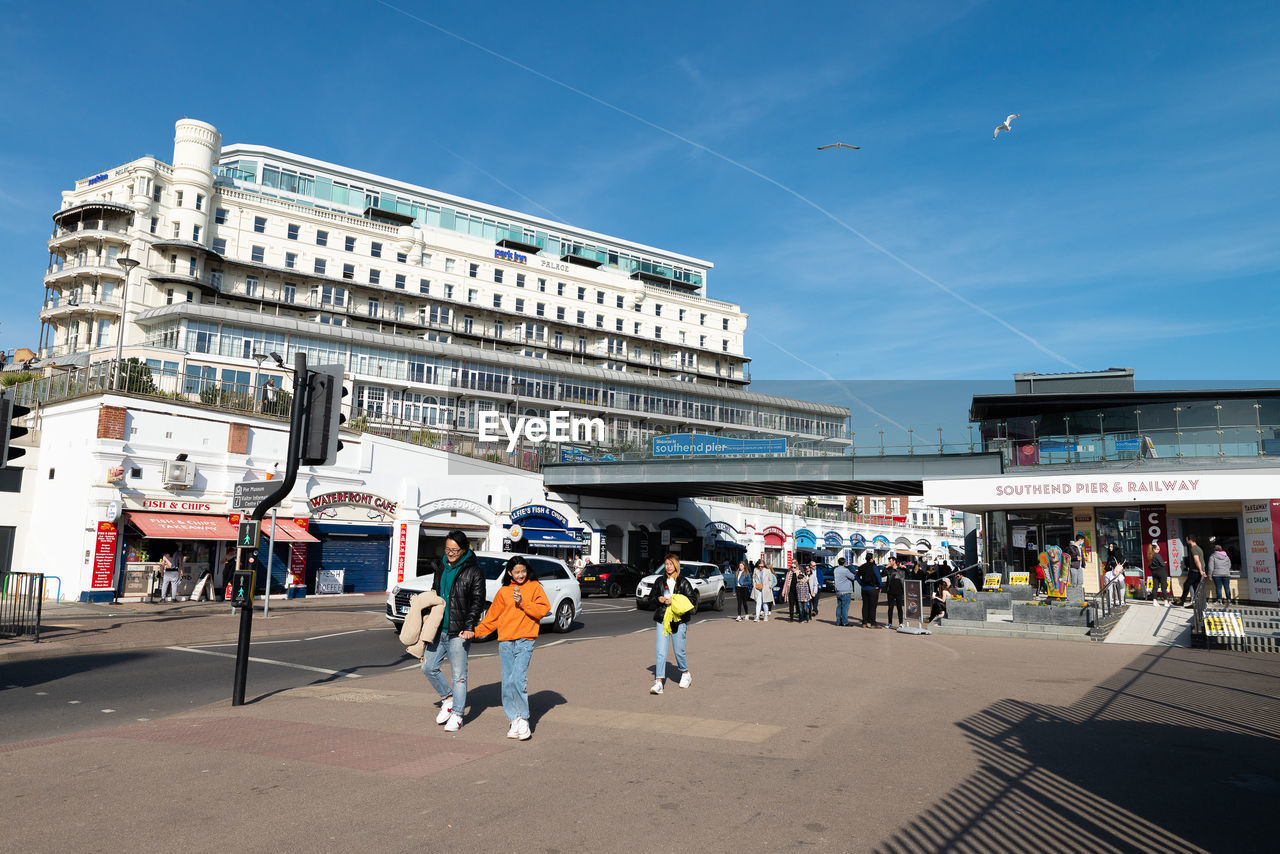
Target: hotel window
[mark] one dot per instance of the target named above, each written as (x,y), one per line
(724,346)
(541,309)
(177,230)
(215,279)
(155,223)
(291,259)
(473,270)
(619,302)
(399,281)
(424,286)
(260,225)
(599,321)
(322,238)
(350,244)
(439,315)
(558,340)
(497,329)
(173,263)
(724,324)
(559,289)
(426,259)
(582,293)
(199,202)
(681,314)
(600,297)
(294,228)
(519,280)
(257,254)
(349,272)
(319,267)
(702,341)
(497,275)
(195,233)
(168,299)
(702,320)
(290,294)
(177,198)
(520,305)
(220,216)
(191,266)
(497,300)
(657,332)
(559,313)
(657,309)
(617,325)
(375,277)
(155,194)
(220,246)
(375,249)
(402,258)
(582,317)
(471,294)
(251,286)
(637,329)
(468,323)
(373,307)
(448,291)
(191,296)
(449,264)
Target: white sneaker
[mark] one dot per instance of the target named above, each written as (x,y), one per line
(737,619)
(454,724)
(656,688)
(515,729)
(523,732)
(446,709)
(686,679)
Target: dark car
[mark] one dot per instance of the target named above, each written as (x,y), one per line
(611,579)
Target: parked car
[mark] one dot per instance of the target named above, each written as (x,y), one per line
(611,579)
(554,575)
(707,582)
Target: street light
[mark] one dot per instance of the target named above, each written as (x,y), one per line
(257,380)
(127,264)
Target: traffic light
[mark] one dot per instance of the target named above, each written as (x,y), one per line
(10,412)
(322,416)
(247,534)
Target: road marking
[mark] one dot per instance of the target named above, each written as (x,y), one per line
(42,693)
(326,671)
(73,702)
(681,725)
(553,643)
(338,634)
(108,711)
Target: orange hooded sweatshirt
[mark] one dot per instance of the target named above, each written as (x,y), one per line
(511,622)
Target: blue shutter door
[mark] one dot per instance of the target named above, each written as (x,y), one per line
(364,559)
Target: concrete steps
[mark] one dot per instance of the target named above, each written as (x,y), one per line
(1006,628)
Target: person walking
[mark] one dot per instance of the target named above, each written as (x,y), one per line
(1159,576)
(895,590)
(1220,573)
(870,583)
(789,593)
(269,396)
(743,587)
(518,606)
(664,589)
(762,581)
(815,587)
(1195,570)
(844,581)
(938,600)
(803,592)
(460,583)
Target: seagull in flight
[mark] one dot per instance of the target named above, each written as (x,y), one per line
(839,145)
(1005,126)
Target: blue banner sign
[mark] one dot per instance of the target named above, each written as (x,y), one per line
(702,445)
(521,513)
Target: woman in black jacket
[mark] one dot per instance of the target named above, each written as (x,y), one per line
(664,587)
(460,583)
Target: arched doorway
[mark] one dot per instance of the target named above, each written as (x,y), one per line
(685,541)
(613,544)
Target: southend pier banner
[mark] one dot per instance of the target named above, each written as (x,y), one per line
(703,445)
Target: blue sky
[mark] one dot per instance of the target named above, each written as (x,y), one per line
(1130,218)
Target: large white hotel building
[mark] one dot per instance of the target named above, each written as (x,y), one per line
(438,306)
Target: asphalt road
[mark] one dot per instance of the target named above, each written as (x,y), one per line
(57,696)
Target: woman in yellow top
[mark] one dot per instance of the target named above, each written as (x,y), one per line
(519,605)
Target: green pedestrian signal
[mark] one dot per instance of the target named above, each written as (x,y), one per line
(242,587)
(247,538)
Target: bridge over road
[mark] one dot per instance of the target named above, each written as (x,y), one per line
(710,477)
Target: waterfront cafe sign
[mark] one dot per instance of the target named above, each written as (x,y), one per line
(344,498)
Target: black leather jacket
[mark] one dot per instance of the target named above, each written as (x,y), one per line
(683,587)
(466,597)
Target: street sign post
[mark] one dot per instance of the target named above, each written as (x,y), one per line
(246,496)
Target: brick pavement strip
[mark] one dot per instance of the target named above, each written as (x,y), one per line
(877,741)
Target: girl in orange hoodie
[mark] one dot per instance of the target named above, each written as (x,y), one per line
(518,606)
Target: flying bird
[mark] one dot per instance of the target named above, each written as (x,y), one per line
(839,145)
(1005,126)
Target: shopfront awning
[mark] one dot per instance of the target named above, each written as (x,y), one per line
(179,526)
(288,533)
(557,539)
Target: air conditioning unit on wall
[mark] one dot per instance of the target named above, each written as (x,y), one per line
(179,473)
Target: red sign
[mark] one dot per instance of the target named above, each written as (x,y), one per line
(104,556)
(234,518)
(302,523)
(297,565)
(184,506)
(788,558)
(404,537)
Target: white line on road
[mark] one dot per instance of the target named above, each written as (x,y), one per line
(338,634)
(554,643)
(342,673)
(108,711)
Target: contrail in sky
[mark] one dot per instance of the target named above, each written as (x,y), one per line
(745,168)
(498,180)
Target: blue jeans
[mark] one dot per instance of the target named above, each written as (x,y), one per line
(514,655)
(803,610)
(1222,587)
(677,639)
(456,648)
(842,608)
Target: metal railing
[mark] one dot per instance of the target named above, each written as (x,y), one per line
(1197,612)
(21,597)
(1110,599)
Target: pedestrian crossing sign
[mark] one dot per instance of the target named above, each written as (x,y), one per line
(242,588)
(247,537)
